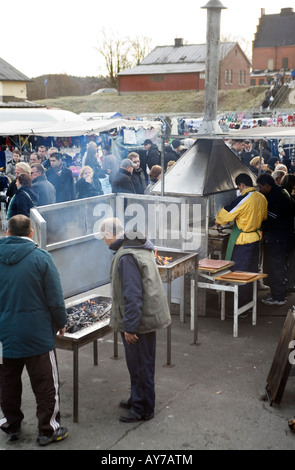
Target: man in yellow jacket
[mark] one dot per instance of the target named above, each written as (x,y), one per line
(247,211)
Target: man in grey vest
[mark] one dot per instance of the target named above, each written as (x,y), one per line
(139,308)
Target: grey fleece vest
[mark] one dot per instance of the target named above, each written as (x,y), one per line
(155,309)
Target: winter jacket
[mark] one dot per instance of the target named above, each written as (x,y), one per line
(85,189)
(170,155)
(63,182)
(280,212)
(122,182)
(31,299)
(139,181)
(248,210)
(45,190)
(139,303)
(24,199)
(153,156)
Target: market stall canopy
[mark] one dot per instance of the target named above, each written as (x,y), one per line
(94,116)
(72,128)
(260,132)
(208,167)
(37,115)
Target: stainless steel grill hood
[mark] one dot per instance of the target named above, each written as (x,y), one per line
(208,167)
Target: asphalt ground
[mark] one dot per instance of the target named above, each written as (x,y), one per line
(210,398)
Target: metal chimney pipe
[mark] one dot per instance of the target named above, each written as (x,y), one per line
(210,125)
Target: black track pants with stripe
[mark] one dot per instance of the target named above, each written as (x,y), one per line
(43,374)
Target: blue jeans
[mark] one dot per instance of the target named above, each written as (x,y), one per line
(140,359)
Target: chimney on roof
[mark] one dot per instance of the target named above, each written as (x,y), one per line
(262,12)
(178,42)
(286,11)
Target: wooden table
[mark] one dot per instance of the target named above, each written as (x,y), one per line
(216,280)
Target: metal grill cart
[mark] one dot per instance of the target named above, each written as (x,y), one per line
(181,264)
(74,341)
(70,232)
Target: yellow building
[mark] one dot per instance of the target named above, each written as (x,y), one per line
(13,84)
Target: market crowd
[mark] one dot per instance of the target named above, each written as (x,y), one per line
(46,176)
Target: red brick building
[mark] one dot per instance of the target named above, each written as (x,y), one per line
(274,45)
(182,68)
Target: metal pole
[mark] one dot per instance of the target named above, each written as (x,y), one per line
(162,164)
(260,156)
(209,125)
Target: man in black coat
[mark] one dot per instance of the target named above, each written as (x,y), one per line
(248,153)
(137,176)
(277,237)
(41,185)
(61,178)
(171,152)
(122,182)
(153,155)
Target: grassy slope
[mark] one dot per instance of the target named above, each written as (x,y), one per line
(161,103)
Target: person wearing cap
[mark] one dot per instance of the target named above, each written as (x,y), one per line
(153,155)
(122,182)
(171,152)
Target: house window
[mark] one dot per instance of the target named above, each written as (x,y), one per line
(285,63)
(270,64)
(228,77)
(242,77)
(252,82)
(157,78)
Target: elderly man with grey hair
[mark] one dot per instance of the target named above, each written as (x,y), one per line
(139,308)
(122,182)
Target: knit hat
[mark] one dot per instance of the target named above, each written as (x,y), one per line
(127,163)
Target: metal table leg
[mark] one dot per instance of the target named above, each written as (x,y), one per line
(75,384)
(95,353)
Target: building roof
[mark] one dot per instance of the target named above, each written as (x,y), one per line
(276,29)
(9,73)
(165,68)
(177,59)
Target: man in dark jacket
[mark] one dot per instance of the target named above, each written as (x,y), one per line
(122,182)
(61,178)
(41,185)
(171,152)
(277,232)
(153,155)
(32,312)
(137,176)
(139,308)
(248,153)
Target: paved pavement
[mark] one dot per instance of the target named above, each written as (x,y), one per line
(210,399)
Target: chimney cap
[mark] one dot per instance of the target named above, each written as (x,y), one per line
(214,4)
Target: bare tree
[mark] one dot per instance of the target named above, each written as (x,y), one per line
(140,48)
(121,53)
(244,44)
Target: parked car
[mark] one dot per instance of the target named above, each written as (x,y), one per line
(104,90)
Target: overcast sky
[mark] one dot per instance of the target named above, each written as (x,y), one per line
(41,37)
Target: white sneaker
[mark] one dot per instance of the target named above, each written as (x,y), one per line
(271,301)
